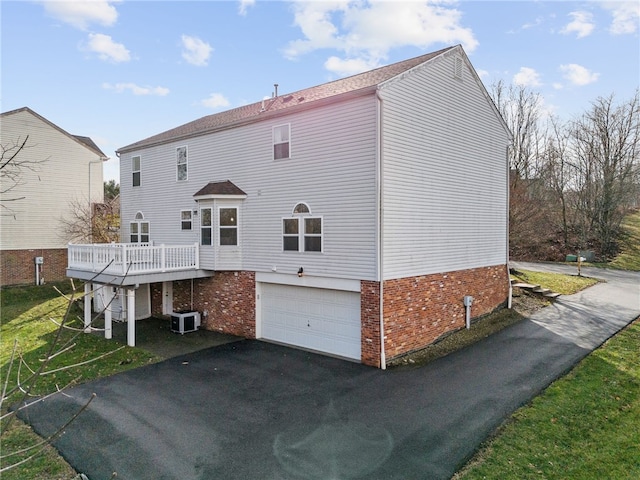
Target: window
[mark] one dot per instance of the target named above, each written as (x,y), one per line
(186,219)
(281,140)
(206,226)
(181,158)
(139,230)
(135,169)
(302,232)
(228,226)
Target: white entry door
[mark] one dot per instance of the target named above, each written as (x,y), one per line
(318,319)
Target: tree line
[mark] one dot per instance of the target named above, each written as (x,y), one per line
(572,182)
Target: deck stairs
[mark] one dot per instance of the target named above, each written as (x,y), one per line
(537,289)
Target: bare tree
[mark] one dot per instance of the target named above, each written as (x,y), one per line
(98,223)
(12,170)
(606,145)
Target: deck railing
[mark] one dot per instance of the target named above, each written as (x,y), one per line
(132,258)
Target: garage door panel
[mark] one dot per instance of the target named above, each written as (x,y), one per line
(318,319)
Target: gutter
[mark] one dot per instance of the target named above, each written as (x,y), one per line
(509,301)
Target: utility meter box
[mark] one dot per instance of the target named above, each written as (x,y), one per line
(39,260)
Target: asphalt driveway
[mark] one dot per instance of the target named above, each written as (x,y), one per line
(253,410)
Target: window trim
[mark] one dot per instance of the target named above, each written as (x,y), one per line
(302,234)
(228,227)
(185,163)
(288,142)
(208,227)
(183,221)
(139,222)
(134,171)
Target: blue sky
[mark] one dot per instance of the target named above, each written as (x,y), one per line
(120,71)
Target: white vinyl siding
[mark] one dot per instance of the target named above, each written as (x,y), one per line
(445,174)
(66,171)
(334,171)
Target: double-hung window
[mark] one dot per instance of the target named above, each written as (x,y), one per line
(181,159)
(139,230)
(186,219)
(228,226)
(135,170)
(281,142)
(302,232)
(206,226)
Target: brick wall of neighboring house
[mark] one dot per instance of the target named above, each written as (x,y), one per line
(419,310)
(370,320)
(228,298)
(18,266)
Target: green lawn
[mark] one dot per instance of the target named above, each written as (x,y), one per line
(584,426)
(27,319)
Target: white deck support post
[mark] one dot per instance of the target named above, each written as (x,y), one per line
(131,317)
(87,307)
(107,312)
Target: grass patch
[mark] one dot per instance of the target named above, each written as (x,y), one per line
(629,257)
(26,316)
(584,426)
(560,283)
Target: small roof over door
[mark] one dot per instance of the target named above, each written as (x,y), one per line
(213,190)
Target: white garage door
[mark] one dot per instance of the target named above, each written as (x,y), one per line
(314,318)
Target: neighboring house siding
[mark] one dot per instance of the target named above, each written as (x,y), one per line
(332,169)
(62,176)
(445,173)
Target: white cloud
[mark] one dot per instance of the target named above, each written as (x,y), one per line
(582,24)
(106,48)
(578,75)
(626,16)
(196,51)
(82,13)
(364,31)
(215,101)
(527,77)
(136,89)
(244,6)
(346,67)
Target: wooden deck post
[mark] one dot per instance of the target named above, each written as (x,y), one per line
(107,311)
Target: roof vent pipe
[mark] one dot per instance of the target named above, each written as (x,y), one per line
(275,86)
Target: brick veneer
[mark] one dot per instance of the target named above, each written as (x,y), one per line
(228,298)
(18,267)
(370,319)
(419,310)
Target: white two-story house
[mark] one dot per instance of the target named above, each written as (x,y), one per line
(351,218)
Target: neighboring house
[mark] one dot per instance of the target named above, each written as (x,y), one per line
(59,167)
(351,218)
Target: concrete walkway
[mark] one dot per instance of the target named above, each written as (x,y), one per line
(253,410)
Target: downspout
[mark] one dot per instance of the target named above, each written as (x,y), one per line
(509,301)
(379,230)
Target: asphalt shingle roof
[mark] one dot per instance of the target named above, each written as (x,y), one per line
(255,111)
(219,188)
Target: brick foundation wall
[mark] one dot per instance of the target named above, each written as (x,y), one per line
(18,267)
(419,310)
(370,320)
(228,297)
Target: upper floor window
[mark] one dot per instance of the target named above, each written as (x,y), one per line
(206,226)
(181,158)
(302,232)
(139,229)
(186,220)
(281,142)
(135,170)
(228,226)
